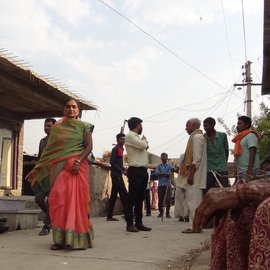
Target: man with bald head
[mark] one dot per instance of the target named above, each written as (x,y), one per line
(192,173)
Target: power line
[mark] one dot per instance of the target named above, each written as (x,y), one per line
(162,45)
(229,100)
(178,109)
(169,141)
(227,38)
(244,30)
(184,106)
(172,140)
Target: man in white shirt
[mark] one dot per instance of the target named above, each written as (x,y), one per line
(136,148)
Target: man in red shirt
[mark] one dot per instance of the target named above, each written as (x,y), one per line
(117,171)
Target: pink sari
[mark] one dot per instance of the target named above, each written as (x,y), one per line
(69,207)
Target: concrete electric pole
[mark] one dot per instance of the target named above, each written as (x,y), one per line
(247,81)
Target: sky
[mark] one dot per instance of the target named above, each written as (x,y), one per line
(164,61)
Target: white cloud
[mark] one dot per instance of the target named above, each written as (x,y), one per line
(169,13)
(72,11)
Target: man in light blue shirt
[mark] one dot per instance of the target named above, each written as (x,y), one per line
(164,171)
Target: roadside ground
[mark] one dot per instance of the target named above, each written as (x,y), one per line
(165,247)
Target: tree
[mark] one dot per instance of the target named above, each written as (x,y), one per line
(261,124)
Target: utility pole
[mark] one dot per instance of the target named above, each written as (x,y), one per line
(247,81)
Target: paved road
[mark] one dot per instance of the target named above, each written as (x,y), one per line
(114,248)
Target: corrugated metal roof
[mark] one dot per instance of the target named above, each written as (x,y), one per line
(28,95)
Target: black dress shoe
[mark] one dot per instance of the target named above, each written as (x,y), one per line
(112,219)
(181,219)
(132,228)
(141,227)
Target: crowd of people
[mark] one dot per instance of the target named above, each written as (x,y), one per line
(203,195)
(241,235)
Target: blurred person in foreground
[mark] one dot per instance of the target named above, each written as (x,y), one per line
(63,170)
(241,235)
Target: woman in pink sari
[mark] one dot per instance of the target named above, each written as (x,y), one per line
(64,171)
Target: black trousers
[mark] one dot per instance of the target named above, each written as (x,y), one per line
(162,199)
(118,186)
(137,178)
(211,181)
(147,201)
(42,202)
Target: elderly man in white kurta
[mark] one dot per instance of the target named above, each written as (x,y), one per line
(192,173)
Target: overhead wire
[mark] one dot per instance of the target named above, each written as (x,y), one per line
(173,139)
(227,104)
(244,30)
(227,38)
(176,110)
(184,106)
(162,45)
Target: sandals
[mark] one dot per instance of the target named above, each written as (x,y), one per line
(56,247)
(44,231)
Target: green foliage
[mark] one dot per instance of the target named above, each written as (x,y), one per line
(261,123)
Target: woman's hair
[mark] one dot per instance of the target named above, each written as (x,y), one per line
(69,99)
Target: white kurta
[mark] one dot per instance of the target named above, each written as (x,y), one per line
(193,192)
